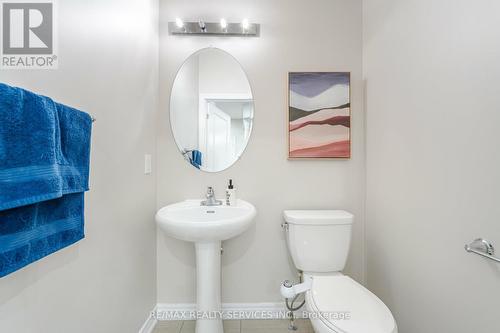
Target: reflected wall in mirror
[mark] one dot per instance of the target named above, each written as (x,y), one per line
(211,110)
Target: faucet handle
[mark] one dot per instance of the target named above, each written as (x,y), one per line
(210,191)
(211,201)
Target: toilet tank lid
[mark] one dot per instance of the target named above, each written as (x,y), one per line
(318,217)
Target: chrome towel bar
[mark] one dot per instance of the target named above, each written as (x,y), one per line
(483,248)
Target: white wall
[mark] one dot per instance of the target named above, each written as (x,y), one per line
(106,282)
(320,35)
(433,97)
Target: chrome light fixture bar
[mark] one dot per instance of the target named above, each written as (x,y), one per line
(222,28)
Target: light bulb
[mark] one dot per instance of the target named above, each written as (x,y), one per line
(179,23)
(245,24)
(223,23)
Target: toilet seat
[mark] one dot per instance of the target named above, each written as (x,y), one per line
(334,295)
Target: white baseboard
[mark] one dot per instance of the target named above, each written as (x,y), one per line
(236,311)
(149,324)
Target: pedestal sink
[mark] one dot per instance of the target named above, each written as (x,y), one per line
(207,227)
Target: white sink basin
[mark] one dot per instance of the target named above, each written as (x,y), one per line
(206,226)
(189,221)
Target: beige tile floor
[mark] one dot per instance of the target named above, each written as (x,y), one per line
(238,326)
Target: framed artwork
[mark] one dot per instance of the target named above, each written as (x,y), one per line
(319,115)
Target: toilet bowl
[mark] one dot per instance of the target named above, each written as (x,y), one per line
(337,303)
(318,241)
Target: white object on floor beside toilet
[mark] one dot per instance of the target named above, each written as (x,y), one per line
(318,241)
(289,290)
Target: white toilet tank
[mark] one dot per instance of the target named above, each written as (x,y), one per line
(319,240)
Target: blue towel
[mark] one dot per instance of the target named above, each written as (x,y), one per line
(44,167)
(196,158)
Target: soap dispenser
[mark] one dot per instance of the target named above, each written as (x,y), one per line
(230,194)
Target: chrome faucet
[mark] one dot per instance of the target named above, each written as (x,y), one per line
(211,201)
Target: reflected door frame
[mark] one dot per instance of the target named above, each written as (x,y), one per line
(203,116)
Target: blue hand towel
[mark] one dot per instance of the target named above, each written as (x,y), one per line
(196,158)
(34,165)
(31,232)
(44,166)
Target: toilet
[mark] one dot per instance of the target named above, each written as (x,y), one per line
(318,241)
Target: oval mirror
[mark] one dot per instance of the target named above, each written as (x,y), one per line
(211,110)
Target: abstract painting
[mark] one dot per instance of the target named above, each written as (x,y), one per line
(319,115)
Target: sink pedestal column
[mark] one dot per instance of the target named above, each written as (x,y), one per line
(208,287)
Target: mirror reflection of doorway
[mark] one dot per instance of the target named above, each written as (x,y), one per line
(211,110)
(218,137)
(225,125)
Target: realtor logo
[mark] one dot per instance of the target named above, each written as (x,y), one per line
(28,35)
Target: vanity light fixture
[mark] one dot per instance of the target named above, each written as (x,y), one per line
(223,24)
(203,27)
(245,24)
(179,23)
(222,28)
